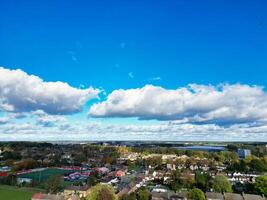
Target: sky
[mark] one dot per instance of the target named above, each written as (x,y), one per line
(133,70)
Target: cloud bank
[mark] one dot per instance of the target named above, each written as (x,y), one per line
(20,92)
(201,104)
(163,131)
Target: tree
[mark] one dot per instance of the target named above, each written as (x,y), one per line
(221,184)
(176,185)
(261,185)
(202,180)
(92,179)
(177,182)
(229,157)
(143,194)
(131,196)
(257,165)
(102,192)
(26,164)
(53,184)
(154,161)
(79,158)
(240,166)
(107,160)
(188,180)
(11,155)
(232,147)
(196,194)
(243,166)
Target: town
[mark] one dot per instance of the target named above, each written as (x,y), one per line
(133,171)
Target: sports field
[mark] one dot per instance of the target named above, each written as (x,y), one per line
(16,193)
(43,175)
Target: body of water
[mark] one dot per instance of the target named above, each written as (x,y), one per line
(202,148)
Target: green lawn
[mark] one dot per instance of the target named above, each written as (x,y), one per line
(16,193)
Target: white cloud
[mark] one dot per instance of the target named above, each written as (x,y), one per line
(17,115)
(50,120)
(224,104)
(74,58)
(130,74)
(4,120)
(156,78)
(159,132)
(20,92)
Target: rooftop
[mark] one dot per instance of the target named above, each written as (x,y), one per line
(77,188)
(233,196)
(214,195)
(40,196)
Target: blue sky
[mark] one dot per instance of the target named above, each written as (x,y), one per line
(113,45)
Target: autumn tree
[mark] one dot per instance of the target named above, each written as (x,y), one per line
(102,192)
(53,184)
(131,196)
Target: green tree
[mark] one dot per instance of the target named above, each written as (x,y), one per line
(196,194)
(230,157)
(240,166)
(243,166)
(143,194)
(102,192)
(257,165)
(221,184)
(261,185)
(202,180)
(232,147)
(53,184)
(131,196)
(177,182)
(92,180)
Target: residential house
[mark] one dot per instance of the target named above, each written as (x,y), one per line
(73,197)
(232,196)
(168,195)
(159,195)
(214,196)
(171,166)
(253,197)
(40,196)
(81,191)
(180,196)
(119,173)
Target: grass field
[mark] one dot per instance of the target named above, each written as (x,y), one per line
(43,175)
(17,193)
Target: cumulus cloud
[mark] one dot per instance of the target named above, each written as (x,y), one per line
(223,104)
(20,92)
